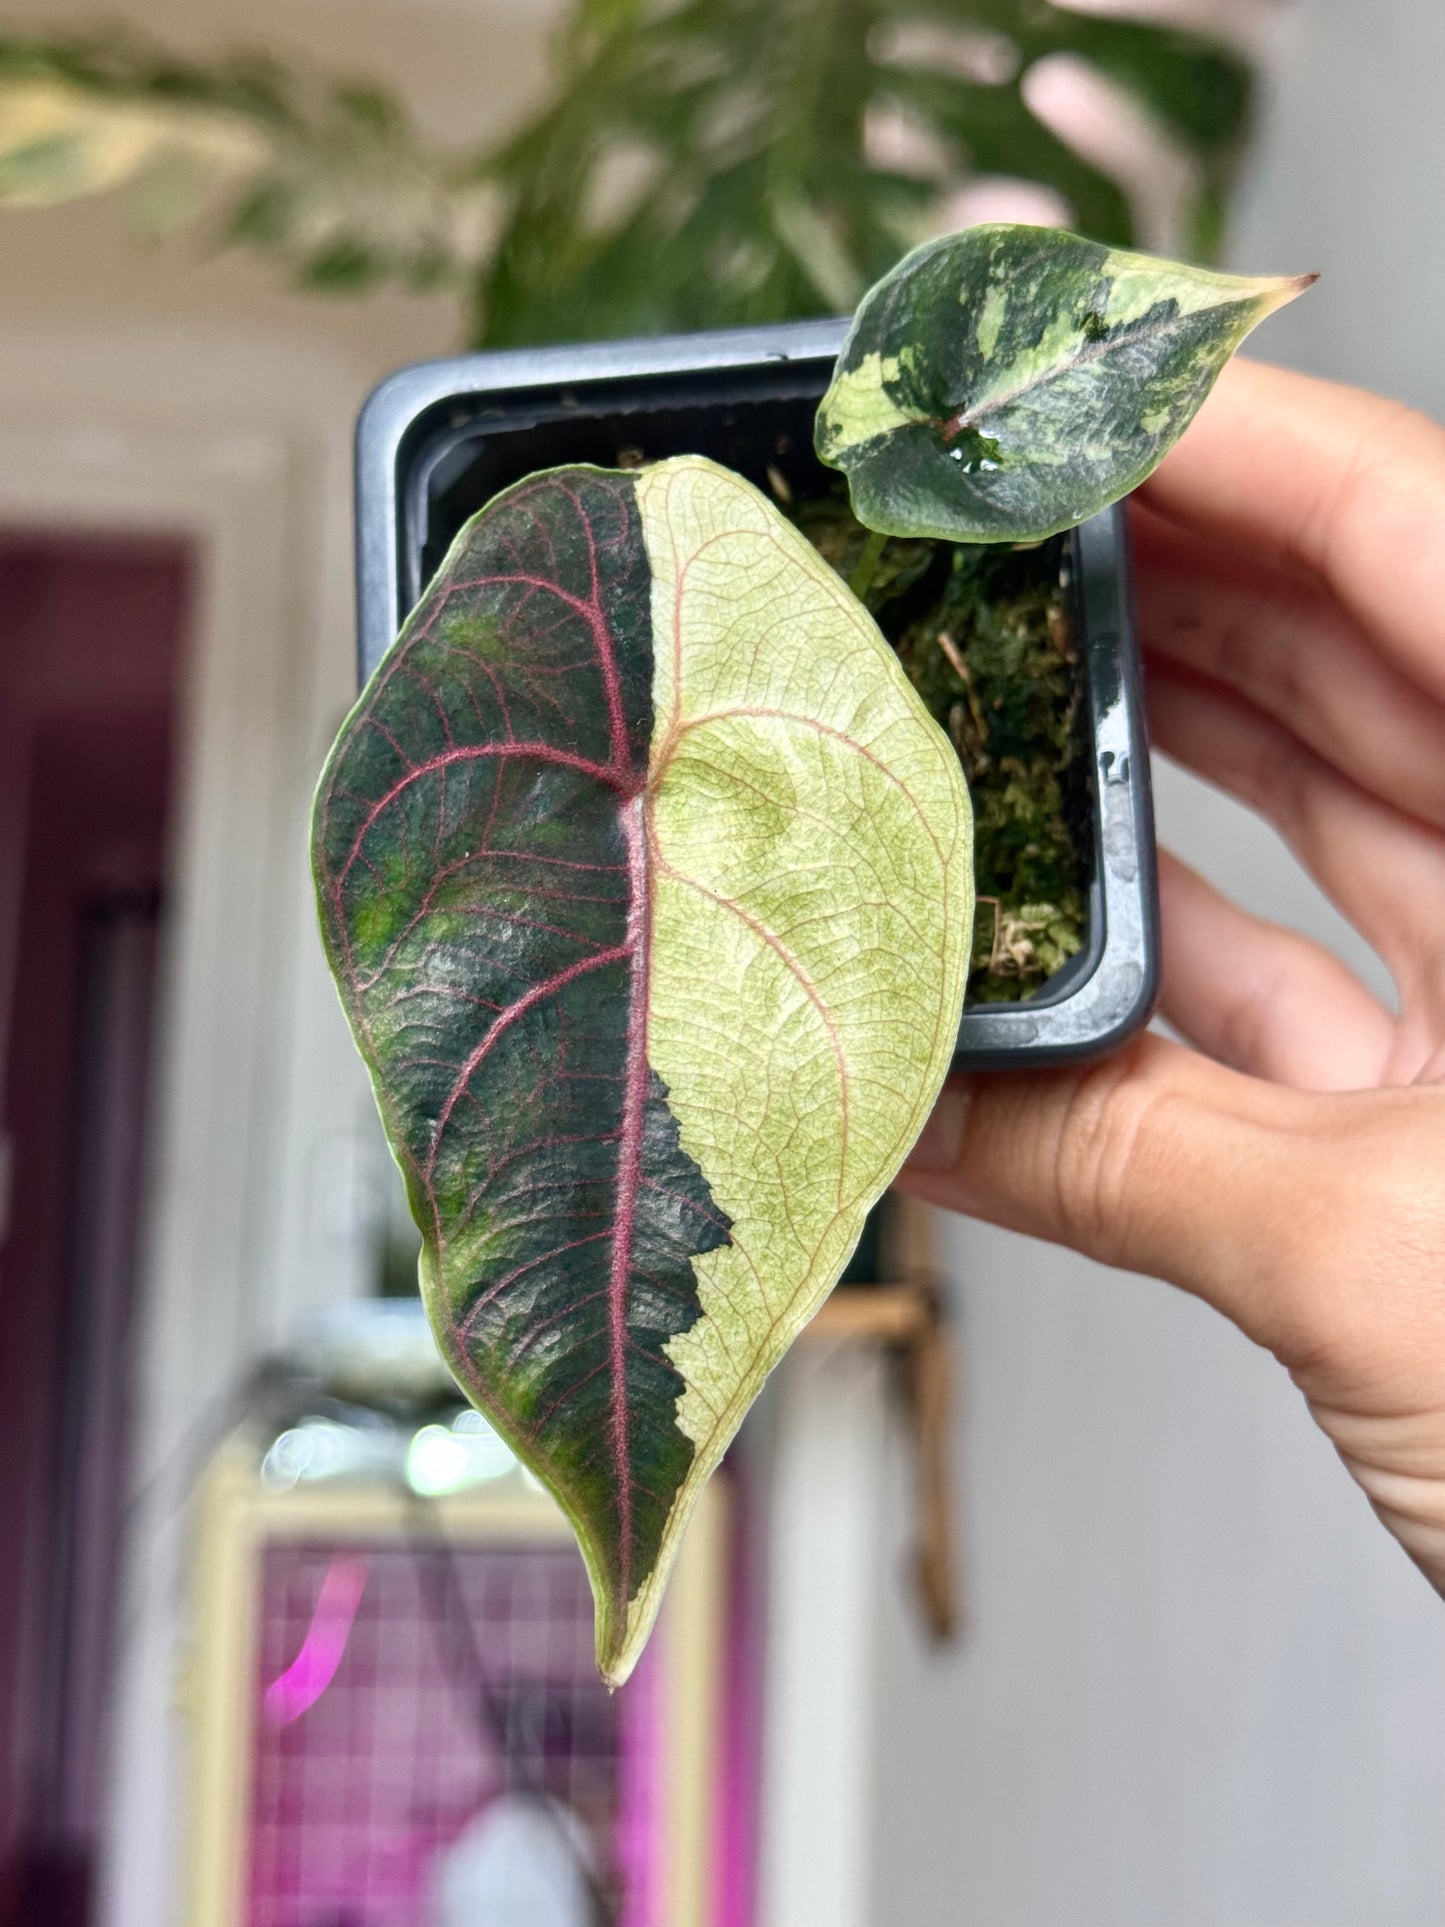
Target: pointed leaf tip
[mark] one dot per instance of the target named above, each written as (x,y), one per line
(1003,384)
(647,884)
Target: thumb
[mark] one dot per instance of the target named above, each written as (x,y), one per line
(1156,1160)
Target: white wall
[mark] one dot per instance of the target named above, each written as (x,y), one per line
(1199,1685)
(1351,180)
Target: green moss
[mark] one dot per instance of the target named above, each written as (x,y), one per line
(986,638)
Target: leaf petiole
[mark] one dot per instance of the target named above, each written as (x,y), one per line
(866,567)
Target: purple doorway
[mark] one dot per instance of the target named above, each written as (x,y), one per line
(92,644)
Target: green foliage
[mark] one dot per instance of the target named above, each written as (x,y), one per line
(707,163)
(700,163)
(1003,384)
(326,175)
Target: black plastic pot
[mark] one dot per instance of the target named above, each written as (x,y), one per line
(437,441)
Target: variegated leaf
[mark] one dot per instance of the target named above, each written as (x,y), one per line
(1002,384)
(647,884)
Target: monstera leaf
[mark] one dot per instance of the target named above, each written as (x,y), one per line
(646,881)
(1005,383)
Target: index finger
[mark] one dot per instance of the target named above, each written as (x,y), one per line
(1318,478)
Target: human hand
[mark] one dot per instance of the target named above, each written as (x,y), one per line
(1289,1166)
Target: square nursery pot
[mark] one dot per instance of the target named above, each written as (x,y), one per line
(437,441)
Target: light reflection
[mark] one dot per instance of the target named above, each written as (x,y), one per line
(321,1448)
(443,1458)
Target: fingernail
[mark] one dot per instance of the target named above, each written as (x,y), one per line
(939,1140)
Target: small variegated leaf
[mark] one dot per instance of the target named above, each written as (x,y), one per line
(646,880)
(1003,384)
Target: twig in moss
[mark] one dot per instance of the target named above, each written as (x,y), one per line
(950,649)
(994,959)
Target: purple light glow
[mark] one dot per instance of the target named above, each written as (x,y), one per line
(291,1693)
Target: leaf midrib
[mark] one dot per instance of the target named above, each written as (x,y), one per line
(952,426)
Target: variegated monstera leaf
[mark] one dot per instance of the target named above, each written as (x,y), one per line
(647,884)
(1002,384)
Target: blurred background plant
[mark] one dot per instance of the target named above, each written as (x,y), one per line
(697,162)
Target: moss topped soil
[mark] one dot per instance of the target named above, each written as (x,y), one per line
(986,638)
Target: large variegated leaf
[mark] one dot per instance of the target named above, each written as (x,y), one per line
(646,880)
(1002,384)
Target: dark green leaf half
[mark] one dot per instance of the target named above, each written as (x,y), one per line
(1002,384)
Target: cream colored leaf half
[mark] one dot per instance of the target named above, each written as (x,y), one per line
(811,848)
